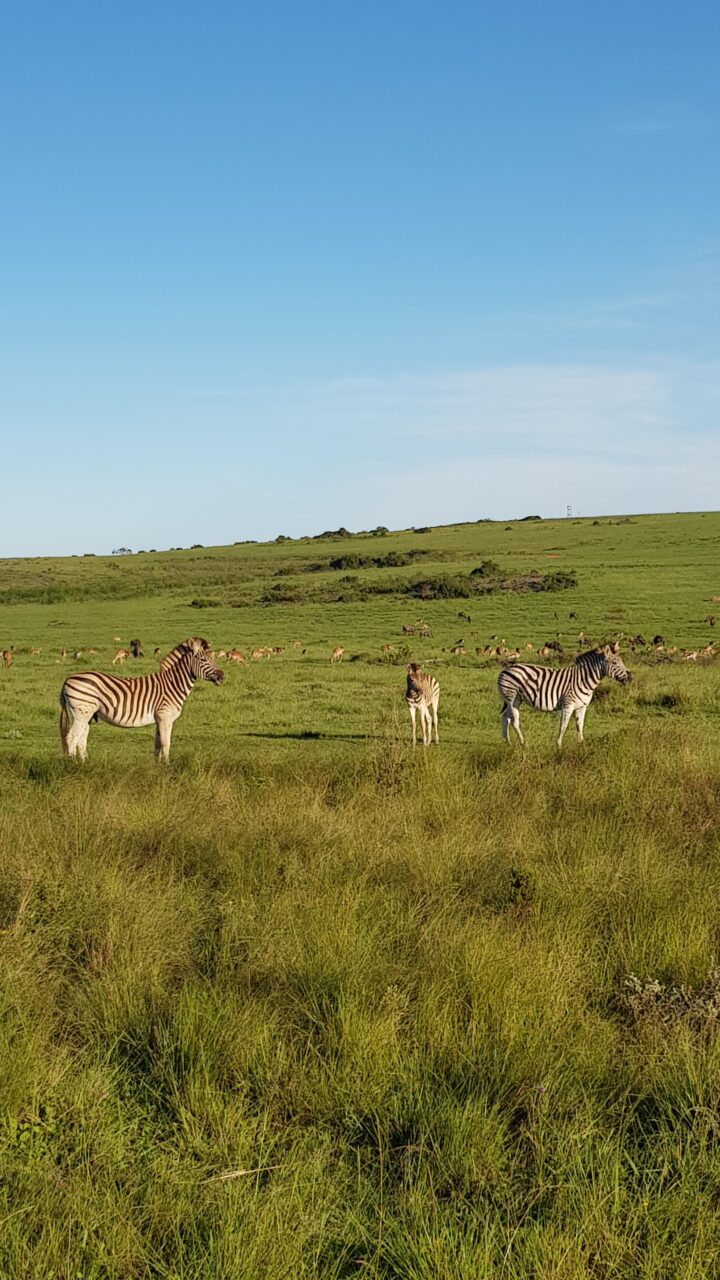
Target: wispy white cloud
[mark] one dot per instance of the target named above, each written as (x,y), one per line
(427,448)
(658,119)
(635,311)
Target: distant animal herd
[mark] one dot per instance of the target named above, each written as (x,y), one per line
(159,697)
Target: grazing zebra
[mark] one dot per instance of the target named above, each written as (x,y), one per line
(135,701)
(568,690)
(422,694)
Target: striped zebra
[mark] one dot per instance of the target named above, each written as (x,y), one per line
(568,690)
(422,694)
(135,701)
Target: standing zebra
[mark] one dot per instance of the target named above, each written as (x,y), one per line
(422,694)
(139,700)
(568,690)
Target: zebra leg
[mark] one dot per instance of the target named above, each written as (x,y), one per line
(566,714)
(163,734)
(580,720)
(506,719)
(515,713)
(77,737)
(434,716)
(412,709)
(426,727)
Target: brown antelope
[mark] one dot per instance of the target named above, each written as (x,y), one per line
(278,650)
(425,632)
(297,644)
(388,649)
(408,631)
(337,653)
(234,655)
(35,651)
(7,658)
(258,653)
(117,639)
(120,656)
(689,655)
(457,650)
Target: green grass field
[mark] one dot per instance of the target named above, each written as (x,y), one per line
(308,1004)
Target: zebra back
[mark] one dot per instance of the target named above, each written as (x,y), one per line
(545,687)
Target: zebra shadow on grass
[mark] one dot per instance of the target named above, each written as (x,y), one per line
(310,735)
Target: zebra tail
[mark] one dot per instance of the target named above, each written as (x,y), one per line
(64,723)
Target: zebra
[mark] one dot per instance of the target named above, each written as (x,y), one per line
(135,701)
(568,690)
(422,694)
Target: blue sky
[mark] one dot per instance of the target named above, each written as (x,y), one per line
(273,269)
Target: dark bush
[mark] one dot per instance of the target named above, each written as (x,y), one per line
(445,587)
(486,569)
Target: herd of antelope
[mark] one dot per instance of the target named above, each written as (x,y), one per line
(497,649)
(568,689)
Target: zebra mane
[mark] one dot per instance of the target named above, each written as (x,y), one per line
(583,659)
(192,645)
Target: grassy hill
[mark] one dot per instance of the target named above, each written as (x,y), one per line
(306,1004)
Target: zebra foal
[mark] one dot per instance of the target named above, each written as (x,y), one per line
(132,702)
(422,694)
(568,690)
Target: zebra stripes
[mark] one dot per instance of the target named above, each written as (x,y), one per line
(132,702)
(422,694)
(568,690)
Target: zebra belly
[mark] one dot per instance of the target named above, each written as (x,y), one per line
(139,722)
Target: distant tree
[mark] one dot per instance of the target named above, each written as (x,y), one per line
(532,518)
(122,551)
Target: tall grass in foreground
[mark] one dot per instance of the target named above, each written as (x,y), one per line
(373,1018)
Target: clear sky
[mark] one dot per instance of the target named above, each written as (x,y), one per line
(273,268)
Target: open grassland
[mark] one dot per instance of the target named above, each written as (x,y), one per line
(308,1004)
